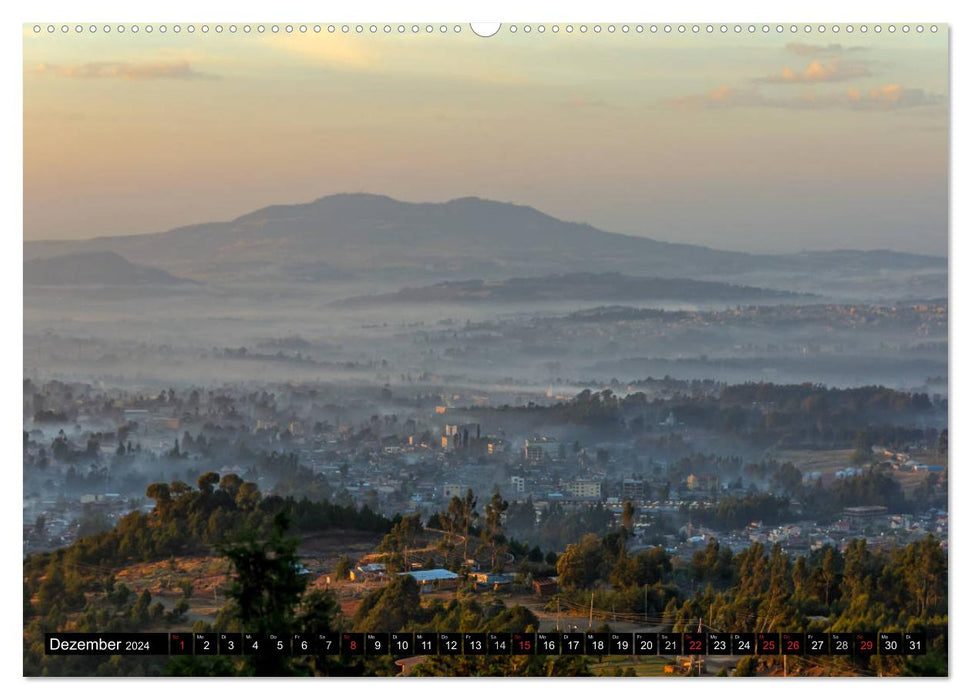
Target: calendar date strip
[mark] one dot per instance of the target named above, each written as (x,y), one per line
(405,644)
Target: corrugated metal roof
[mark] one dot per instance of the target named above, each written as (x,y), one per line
(431,575)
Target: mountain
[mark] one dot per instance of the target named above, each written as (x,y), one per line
(373,237)
(577,286)
(95,268)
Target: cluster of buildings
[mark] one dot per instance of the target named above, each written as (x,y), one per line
(902,461)
(880,528)
(434,580)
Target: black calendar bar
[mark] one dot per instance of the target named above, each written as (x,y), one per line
(426,643)
(402,643)
(817,644)
(474,643)
(375,644)
(548,643)
(91,644)
(500,643)
(181,643)
(695,643)
(793,643)
(205,643)
(523,643)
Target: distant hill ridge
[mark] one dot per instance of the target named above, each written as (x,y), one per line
(356,236)
(95,268)
(570,286)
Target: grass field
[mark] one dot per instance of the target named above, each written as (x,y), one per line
(826,462)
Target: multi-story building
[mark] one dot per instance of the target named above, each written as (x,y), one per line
(632,490)
(585,488)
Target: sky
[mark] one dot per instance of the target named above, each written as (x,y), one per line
(769,142)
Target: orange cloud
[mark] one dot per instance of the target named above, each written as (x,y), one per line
(892,97)
(819,72)
(886,98)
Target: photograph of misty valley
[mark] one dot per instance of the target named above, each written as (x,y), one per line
(409,331)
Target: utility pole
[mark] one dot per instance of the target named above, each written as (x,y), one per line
(590,623)
(699,658)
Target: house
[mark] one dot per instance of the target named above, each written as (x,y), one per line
(702,482)
(860,515)
(434,579)
(544,586)
(491,582)
(495,446)
(369,572)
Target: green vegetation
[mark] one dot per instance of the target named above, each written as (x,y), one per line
(761,413)
(860,589)
(76,585)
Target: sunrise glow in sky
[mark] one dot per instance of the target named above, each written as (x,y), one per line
(765,142)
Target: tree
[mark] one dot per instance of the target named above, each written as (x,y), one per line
(207,482)
(392,608)
(493,534)
(248,496)
(468,515)
(581,564)
(623,573)
(746,666)
(787,479)
(650,565)
(521,519)
(230,485)
(627,520)
(318,614)
(163,499)
(266,588)
(342,569)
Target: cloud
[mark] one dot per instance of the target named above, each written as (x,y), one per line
(892,97)
(179,70)
(818,72)
(435,57)
(336,51)
(883,99)
(820,50)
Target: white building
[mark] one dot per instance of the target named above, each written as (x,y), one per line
(585,488)
(450,490)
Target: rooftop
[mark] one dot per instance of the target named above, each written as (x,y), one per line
(431,575)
